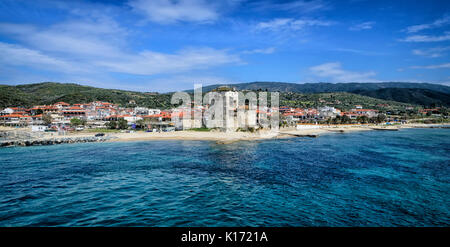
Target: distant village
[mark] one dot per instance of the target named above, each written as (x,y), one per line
(62,116)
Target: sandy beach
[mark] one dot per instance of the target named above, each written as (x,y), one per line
(219,137)
(227,137)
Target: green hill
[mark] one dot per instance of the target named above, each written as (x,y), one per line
(329,87)
(416,96)
(426,94)
(341,100)
(51,92)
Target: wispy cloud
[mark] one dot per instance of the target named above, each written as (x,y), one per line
(269,50)
(299,6)
(431,52)
(360,52)
(427,38)
(151,62)
(362,26)
(436,24)
(290,24)
(168,11)
(437,66)
(18,55)
(101,47)
(79,38)
(334,72)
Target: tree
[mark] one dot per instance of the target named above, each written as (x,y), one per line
(345,119)
(39,111)
(362,119)
(47,119)
(122,124)
(337,119)
(75,122)
(140,124)
(112,124)
(381,118)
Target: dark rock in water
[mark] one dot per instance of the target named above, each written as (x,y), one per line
(34,142)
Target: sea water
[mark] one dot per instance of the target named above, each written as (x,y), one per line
(374,178)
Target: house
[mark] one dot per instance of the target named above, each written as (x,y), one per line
(365,112)
(352,115)
(146,111)
(6,111)
(15,119)
(74,111)
(44,109)
(328,112)
(38,128)
(37,119)
(61,105)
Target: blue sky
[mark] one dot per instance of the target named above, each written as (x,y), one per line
(168,45)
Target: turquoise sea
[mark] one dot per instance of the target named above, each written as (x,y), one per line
(376,178)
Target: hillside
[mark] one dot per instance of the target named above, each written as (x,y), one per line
(416,96)
(329,87)
(341,100)
(426,94)
(50,92)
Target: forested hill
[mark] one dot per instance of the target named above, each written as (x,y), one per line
(52,92)
(426,94)
(323,87)
(417,96)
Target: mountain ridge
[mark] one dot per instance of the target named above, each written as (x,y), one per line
(425,94)
(326,87)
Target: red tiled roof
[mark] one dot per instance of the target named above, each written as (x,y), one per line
(14,116)
(61,103)
(75,108)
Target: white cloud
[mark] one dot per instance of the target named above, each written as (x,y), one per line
(438,66)
(290,24)
(431,52)
(168,11)
(151,62)
(362,26)
(334,72)
(427,38)
(436,24)
(299,6)
(360,52)
(16,55)
(269,50)
(79,38)
(101,46)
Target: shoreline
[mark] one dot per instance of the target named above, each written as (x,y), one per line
(310,131)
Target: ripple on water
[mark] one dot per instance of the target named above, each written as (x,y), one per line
(357,179)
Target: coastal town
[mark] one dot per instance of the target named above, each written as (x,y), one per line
(62,116)
(232,119)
